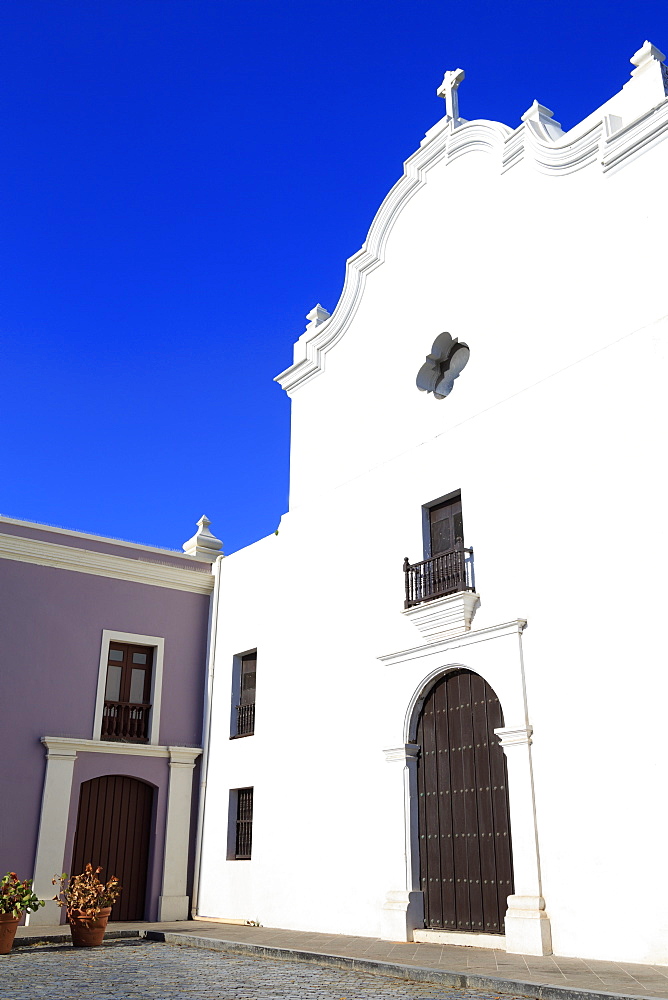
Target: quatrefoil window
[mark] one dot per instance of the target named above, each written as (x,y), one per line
(446,362)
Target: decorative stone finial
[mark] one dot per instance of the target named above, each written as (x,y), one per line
(648,85)
(448,90)
(203,544)
(317,316)
(544,118)
(646,55)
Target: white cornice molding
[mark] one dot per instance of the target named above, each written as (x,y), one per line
(60,746)
(196,581)
(362,263)
(633,138)
(604,142)
(512,737)
(466,639)
(53,529)
(445,616)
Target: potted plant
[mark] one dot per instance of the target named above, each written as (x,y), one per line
(88,902)
(16,898)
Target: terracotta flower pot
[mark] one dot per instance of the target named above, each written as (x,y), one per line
(8,925)
(87,932)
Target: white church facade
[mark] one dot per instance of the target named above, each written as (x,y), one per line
(438,692)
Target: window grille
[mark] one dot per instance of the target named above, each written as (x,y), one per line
(244,838)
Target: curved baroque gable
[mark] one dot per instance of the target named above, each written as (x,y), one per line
(605,139)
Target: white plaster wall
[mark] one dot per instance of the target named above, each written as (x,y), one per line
(555,435)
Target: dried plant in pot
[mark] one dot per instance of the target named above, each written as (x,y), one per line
(16,898)
(88,901)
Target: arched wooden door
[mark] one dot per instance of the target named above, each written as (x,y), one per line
(114,833)
(466,868)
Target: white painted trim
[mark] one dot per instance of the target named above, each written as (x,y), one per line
(632,139)
(443,645)
(430,935)
(527,925)
(196,581)
(596,142)
(60,759)
(158,644)
(206,730)
(50,856)
(51,528)
(67,746)
(173,903)
(446,616)
(515,737)
(403,753)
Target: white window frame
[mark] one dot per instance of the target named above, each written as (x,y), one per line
(158,644)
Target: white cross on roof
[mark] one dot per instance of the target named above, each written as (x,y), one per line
(448,90)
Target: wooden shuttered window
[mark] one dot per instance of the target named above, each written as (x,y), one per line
(244,831)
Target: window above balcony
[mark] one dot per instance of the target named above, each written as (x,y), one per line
(447,566)
(129,688)
(243,695)
(127,695)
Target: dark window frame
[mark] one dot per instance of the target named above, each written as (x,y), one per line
(449,498)
(124,719)
(244,672)
(241,836)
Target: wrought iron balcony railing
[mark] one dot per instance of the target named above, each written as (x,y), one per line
(245,720)
(446,573)
(125,722)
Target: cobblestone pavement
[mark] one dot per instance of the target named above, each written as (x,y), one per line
(146,970)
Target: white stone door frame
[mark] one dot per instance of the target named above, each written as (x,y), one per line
(61,754)
(496,655)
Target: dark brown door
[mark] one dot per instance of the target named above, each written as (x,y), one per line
(446,528)
(466,867)
(114,833)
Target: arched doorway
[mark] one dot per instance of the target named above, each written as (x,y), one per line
(114,833)
(466,869)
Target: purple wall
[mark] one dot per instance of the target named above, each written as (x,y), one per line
(51,624)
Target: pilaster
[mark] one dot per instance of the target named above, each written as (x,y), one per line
(50,857)
(403,909)
(527,923)
(173,903)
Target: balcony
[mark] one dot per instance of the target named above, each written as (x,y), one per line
(440,594)
(447,573)
(245,720)
(124,722)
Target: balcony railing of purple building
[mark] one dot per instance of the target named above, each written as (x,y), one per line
(125,722)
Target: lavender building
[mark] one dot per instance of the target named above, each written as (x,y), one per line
(103,668)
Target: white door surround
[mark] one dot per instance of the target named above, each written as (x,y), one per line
(61,755)
(500,663)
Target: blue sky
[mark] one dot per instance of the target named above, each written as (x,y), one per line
(182,181)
